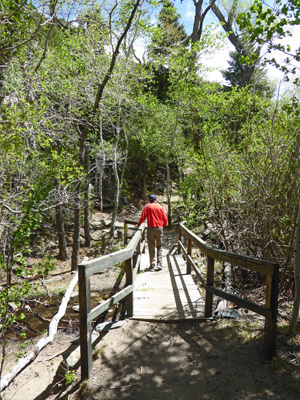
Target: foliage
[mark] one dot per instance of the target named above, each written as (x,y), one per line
(69,377)
(268,26)
(249,180)
(234,75)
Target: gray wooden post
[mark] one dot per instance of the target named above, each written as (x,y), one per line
(129,281)
(85,326)
(125,233)
(189,252)
(270,328)
(179,238)
(209,282)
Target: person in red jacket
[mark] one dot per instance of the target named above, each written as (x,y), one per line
(156,218)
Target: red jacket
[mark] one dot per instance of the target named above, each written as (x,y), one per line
(155,214)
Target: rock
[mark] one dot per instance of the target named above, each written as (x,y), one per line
(106,326)
(229,313)
(13,306)
(148,336)
(99,224)
(76,308)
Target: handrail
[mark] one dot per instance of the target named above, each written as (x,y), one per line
(270,269)
(131,255)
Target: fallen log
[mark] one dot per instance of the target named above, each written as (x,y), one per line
(23,362)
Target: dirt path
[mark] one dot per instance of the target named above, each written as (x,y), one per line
(145,361)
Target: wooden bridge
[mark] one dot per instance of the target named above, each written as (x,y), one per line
(167,295)
(171,295)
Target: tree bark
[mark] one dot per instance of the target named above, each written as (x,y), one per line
(115,172)
(117,193)
(76,233)
(62,246)
(237,42)
(168,161)
(101,168)
(86,205)
(199,19)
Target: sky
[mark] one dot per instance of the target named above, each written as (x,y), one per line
(219,59)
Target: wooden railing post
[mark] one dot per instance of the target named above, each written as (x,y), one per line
(179,239)
(125,233)
(138,255)
(85,326)
(189,252)
(129,281)
(271,323)
(143,238)
(209,282)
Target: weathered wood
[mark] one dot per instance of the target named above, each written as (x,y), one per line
(129,282)
(270,269)
(74,357)
(189,253)
(87,269)
(101,308)
(99,264)
(254,264)
(180,246)
(130,222)
(197,271)
(126,228)
(240,302)
(167,295)
(24,361)
(270,329)
(84,325)
(209,284)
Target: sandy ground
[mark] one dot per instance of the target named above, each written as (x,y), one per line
(219,359)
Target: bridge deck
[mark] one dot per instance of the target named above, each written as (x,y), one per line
(169,295)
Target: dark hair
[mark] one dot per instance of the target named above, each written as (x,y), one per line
(152,198)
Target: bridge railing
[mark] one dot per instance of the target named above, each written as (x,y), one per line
(270,269)
(131,255)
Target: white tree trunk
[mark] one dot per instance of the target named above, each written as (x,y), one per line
(23,362)
(101,168)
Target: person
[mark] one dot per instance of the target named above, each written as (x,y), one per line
(156,218)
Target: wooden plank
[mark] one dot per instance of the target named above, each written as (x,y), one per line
(169,295)
(254,264)
(129,282)
(101,308)
(209,283)
(85,326)
(240,302)
(99,264)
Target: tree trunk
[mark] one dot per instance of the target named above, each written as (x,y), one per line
(172,141)
(117,193)
(237,42)
(62,246)
(101,169)
(199,19)
(169,195)
(295,311)
(86,208)
(76,234)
